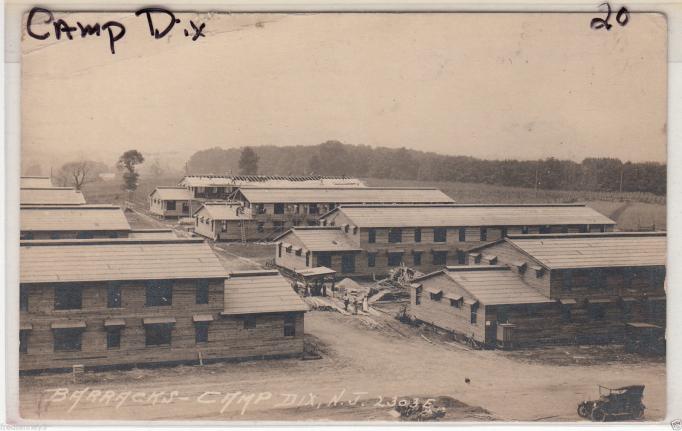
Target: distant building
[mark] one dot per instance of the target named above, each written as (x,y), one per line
(223,186)
(106,302)
(228,221)
(35,181)
(277,209)
(173,202)
(538,289)
(73,221)
(51,196)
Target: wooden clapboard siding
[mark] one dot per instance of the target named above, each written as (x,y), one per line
(227,337)
(74,234)
(442,315)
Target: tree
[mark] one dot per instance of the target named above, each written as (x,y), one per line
(127,163)
(248,162)
(77,174)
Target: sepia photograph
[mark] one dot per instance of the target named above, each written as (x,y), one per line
(342,217)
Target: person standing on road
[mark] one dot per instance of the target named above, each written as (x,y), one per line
(346,300)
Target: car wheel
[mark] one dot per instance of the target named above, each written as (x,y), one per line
(598,415)
(583,410)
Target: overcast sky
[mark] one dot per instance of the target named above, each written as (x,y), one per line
(484,85)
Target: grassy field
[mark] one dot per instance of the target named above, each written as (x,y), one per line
(632,211)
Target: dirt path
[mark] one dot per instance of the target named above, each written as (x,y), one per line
(363,362)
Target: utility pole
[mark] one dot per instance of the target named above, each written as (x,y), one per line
(537,169)
(622,173)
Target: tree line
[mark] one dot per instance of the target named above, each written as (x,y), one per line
(336,158)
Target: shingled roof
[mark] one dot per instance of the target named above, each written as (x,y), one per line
(269,180)
(73,218)
(51,196)
(172,194)
(596,250)
(340,195)
(320,238)
(117,259)
(472,215)
(34,181)
(488,284)
(254,292)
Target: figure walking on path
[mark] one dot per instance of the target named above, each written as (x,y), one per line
(346,300)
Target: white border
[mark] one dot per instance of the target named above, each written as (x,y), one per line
(11,161)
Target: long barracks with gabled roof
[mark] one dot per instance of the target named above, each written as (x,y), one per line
(109,302)
(72,221)
(594,285)
(428,237)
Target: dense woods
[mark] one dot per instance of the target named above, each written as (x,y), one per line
(335,158)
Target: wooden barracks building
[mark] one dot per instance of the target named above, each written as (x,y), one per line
(557,288)
(222,187)
(172,202)
(275,210)
(105,302)
(72,222)
(377,238)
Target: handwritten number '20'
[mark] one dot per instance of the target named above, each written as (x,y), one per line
(622,18)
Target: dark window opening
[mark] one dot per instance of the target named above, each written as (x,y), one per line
(324,259)
(158,294)
(462,234)
(372,236)
(289,326)
(348,263)
(395,259)
(417,259)
(158,334)
(418,296)
(502,315)
(202,292)
(564,229)
(67,340)
(545,229)
(417,235)
(26,235)
(440,257)
(249,322)
(484,234)
(201,332)
(307,259)
(597,312)
(113,338)
(23,299)
(371,260)
(114,297)
(23,341)
(566,315)
(68,298)
(461,257)
(170,205)
(54,235)
(279,250)
(440,234)
(279,208)
(474,313)
(524,230)
(567,280)
(395,235)
(313,209)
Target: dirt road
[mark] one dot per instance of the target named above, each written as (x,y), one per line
(366,363)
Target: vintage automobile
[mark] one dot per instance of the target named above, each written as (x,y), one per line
(617,403)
